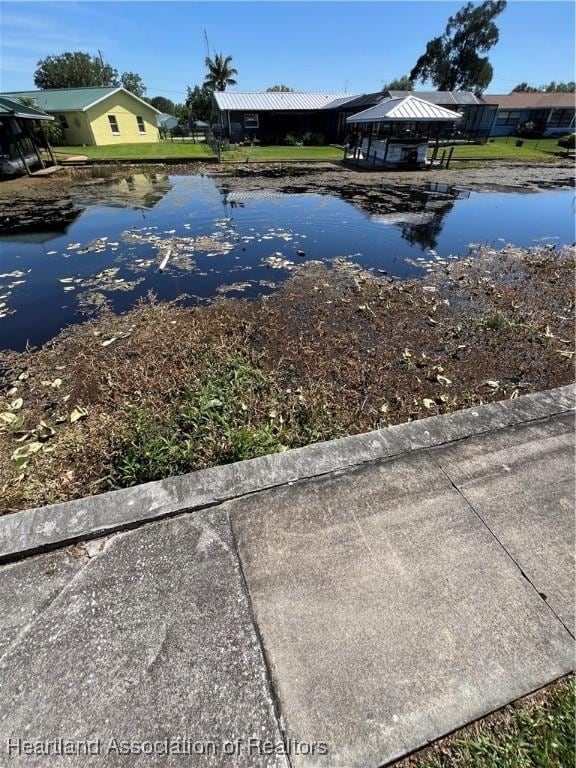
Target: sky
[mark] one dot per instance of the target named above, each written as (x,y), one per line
(343,47)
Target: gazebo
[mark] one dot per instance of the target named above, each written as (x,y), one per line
(396,133)
(21,138)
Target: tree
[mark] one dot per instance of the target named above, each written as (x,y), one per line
(399,84)
(220,72)
(452,61)
(50,130)
(164,105)
(133,83)
(524,88)
(199,102)
(279,89)
(552,87)
(73,70)
(555,87)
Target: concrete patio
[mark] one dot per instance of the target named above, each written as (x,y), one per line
(340,605)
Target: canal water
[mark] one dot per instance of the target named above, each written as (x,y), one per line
(187,236)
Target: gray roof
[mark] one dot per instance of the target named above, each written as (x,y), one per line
(442,98)
(259,101)
(166,121)
(407,109)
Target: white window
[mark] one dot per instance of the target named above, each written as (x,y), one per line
(250,121)
(141,124)
(63,121)
(114,125)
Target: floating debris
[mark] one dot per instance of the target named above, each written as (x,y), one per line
(240,287)
(277,261)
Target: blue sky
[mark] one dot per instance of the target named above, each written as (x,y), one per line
(320,46)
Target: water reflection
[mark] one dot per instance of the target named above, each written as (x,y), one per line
(137,190)
(193,236)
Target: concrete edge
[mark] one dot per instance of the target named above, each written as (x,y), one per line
(41,528)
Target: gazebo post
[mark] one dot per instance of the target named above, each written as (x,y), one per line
(369,143)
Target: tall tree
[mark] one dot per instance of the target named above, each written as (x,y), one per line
(220,72)
(73,70)
(163,104)
(399,84)
(133,83)
(199,102)
(452,61)
(524,88)
(279,89)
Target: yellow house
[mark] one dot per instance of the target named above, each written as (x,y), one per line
(98,115)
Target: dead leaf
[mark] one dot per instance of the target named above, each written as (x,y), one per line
(26,450)
(428,403)
(15,405)
(77,414)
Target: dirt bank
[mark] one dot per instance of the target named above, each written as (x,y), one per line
(333,177)
(164,389)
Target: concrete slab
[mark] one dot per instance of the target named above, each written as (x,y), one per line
(388,612)
(29,587)
(152,639)
(522,481)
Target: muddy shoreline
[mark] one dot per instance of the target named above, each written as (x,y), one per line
(28,205)
(164,389)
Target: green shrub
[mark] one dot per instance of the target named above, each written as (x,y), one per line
(311,139)
(568,142)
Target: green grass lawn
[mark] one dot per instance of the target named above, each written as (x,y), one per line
(532,149)
(247,154)
(537,732)
(157,150)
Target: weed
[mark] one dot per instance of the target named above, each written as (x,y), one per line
(495,321)
(212,423)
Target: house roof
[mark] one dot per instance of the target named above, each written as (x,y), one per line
(13,108)
(442,98)
(531,100)
(407,109)
(365,100)
(259,101)
(164,120)
(75,99)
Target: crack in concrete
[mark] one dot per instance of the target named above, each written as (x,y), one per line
(540,594)
(20,636)
(276,704)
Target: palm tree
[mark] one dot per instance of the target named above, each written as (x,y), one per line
(220,73)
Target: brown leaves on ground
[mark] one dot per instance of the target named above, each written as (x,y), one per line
(364,351)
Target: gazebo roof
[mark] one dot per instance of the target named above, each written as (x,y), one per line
(408,109)
(14,108)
